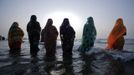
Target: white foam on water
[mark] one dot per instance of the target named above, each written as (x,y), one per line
(116,54)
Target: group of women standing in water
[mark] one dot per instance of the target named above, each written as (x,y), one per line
(49,36)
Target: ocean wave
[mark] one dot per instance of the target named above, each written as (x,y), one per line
(104,41)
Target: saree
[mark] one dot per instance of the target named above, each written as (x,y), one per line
(89,35)
(67,35)
(116,38)
(49,36)
(15,36)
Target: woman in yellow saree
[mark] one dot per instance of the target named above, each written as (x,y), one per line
(116,38)
(15,36)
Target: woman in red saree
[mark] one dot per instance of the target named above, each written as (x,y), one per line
(116,38)
(49,36)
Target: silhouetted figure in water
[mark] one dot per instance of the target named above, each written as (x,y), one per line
(33,29)
(67,64)
(49,37)
(50,64)
(15,36)
(86,67)
(67,35)
(89,35)
(116,37)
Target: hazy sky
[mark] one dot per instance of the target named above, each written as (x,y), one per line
(104,12)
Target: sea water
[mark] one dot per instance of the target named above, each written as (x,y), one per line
(76,65)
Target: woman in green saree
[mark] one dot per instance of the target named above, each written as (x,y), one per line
(89,35)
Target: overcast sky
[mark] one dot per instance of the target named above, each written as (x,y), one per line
(104,12)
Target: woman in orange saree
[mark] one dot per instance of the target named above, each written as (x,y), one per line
(116,38)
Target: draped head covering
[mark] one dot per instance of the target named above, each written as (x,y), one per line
(13,26)
(89,28)
(49,22)
(118,31)
(65,22)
